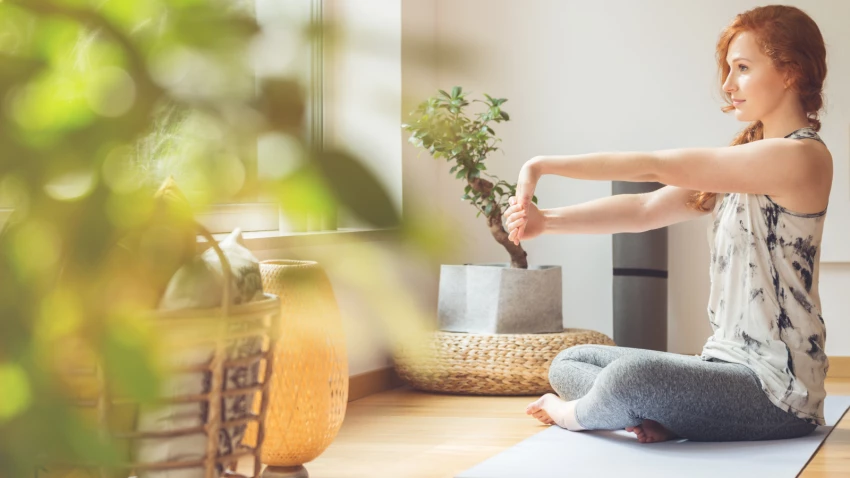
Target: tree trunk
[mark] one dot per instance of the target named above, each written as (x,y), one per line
(494,222)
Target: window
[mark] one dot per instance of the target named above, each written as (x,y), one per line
(353,103)
(300,58)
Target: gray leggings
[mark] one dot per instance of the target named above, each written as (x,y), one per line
(699,400)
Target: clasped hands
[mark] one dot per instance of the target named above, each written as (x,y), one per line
(523,220)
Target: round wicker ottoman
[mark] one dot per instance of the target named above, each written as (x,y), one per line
(487,364)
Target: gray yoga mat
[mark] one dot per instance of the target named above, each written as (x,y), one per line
(556,452)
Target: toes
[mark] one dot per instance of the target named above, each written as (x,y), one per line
(544,417)
(534,406)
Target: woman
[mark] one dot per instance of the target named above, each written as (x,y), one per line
(761,375)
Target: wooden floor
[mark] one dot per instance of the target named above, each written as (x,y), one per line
(408,434)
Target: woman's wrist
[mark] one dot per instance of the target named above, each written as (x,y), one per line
(536,164)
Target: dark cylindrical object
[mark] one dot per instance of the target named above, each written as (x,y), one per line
(640,281)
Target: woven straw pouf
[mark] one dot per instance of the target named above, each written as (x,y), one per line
(487,364)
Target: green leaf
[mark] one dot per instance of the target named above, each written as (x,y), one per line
(282,103)
(474,174)
(506,116)
(304,192)
(480,166)
(456,91)
(128,363)
(488,208)
(14,381)
(460,174)
(18,70)
(454,168)
(357,188)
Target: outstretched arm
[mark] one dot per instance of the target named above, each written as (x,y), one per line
(769,166)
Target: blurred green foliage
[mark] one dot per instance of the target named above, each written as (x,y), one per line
(101,100)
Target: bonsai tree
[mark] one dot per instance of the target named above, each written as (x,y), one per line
(440,125)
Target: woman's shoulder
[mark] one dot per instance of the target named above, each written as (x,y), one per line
(812,197)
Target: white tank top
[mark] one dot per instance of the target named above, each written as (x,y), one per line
(764,305)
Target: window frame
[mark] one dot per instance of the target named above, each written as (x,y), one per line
(261,216)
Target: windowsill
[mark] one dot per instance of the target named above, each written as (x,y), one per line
(268,240)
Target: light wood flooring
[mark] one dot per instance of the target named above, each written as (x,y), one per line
(404,433)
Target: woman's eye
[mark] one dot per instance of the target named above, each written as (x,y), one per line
(742,66)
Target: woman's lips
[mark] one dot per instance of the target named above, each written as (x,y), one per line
(737,102)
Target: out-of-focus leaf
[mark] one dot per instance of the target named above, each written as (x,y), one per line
(304,193)
(282,103)
(127,360)
(357,188)
(17,392)
(15,70)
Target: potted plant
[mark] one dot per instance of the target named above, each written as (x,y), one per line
(484,298)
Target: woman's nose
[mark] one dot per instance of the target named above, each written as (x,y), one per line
(729,85)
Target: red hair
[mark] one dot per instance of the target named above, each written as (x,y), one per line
(793,42)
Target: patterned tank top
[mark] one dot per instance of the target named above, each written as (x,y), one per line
(764,306)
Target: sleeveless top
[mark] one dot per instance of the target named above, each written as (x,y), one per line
(764,306)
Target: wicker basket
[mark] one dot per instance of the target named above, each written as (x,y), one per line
(226,345)
(487,364)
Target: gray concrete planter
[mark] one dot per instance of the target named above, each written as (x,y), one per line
(496,299)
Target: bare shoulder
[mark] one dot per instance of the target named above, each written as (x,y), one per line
(814,197)
(814,150)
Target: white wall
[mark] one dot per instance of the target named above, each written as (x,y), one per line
(580,77)
(614,75)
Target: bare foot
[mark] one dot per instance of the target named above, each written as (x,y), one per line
(549,409)
(651,431)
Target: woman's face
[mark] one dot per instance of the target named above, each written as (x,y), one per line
(752,79)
